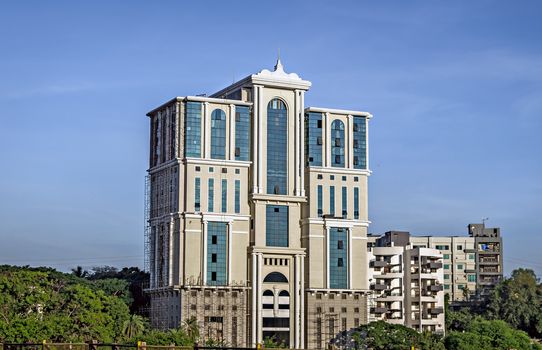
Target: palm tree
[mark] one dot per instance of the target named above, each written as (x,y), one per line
(133,326)
(190,327)
(79,272)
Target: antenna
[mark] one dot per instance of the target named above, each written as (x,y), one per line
(484,221)
(278,55)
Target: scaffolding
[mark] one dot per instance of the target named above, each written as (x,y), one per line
(147,225)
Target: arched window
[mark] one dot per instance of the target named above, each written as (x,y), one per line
(218,134)
(275,277)
(268,293)
(284,293)
(277,147)
(337,144)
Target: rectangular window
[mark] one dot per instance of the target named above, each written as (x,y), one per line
(446,287)
(237,196)
(344,202)
(446,266)
(360,143)
(216,253)
(197,195)
(193,129)
(459,247)
(211,196)
(471,278)
(446,276)
(442,247)
(332,200)
(224,195)
(320,201)
(242,133)
(356,203)
(446,256)
(338,258)
(276,226)
(313,139)
(471,256)
(460,266)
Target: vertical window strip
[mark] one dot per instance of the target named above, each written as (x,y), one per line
(224,195)
(360,143)
(356,202)
(242,133)
(197,206)
(193,130)
(338,258)
(320,201)
(211,196)
(218,134)
(313,139)
(216,253)
(277,147)
(332,200)
(237,196)
(276,226)
(337,144)
(344,202)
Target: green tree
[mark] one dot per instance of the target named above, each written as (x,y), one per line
(191,328)
(518,301)
(133,326)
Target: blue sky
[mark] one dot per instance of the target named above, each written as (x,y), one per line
(455,89)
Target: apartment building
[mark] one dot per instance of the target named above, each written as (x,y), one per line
(472,264)
(407,283)
(257,214)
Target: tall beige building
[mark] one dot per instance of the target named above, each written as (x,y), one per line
(257,214)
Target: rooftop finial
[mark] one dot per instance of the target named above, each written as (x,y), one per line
(278,65)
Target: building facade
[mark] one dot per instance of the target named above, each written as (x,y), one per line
(257,214)
(472,265)
(407,283)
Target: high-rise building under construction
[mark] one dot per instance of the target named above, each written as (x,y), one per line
(257,214)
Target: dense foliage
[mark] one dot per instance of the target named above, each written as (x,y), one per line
(39,304)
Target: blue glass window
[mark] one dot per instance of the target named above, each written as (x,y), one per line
(242,133)
(313,139)
(277,147)
(332,200)
(216,253)
(224,195)
(320,201)
(218,134)
(360,143)
(197,201)
(193,129)
(276,226)
(237,196)
(356,202)
(344,203)
(211,196)
(338,258)
(337,144)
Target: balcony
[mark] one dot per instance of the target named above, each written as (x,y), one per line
(435,288)
(379,310)
(489,261)
(436,310)
(434,265)
(380,263)
(379,287)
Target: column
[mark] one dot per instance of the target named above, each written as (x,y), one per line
(327,140)
(204,254)
(302,154)
(254,312)
(259,298)
(260,140)
(296,142)
(350,258)
(170,251)
(367,142)
(207,131)
(231,144)
(297,320)
(156,234)
(327,257)
(302,303)
(349,133)
(230,230)
(255,141)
